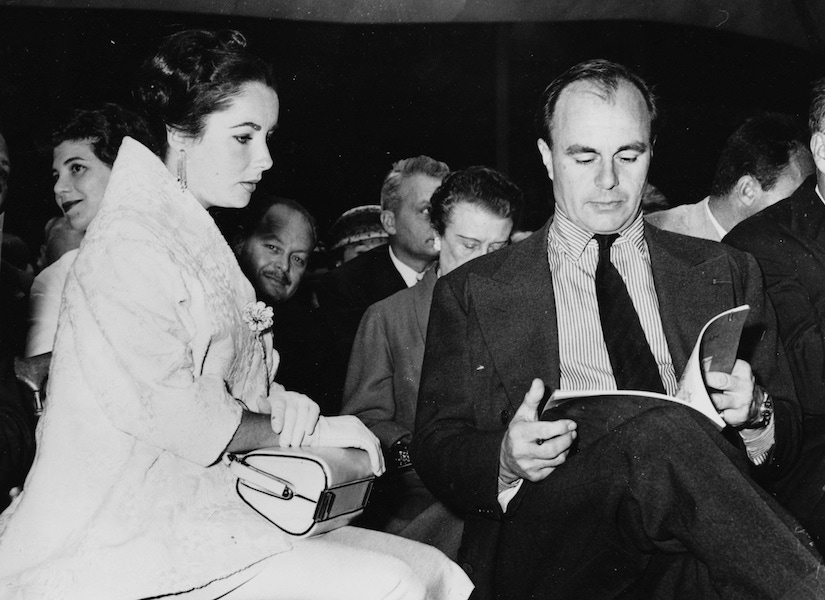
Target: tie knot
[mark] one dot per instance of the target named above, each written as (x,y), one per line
(605,240)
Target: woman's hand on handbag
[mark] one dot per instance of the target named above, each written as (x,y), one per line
(348,432)
(294,417)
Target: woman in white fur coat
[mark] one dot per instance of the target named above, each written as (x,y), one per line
(160,367)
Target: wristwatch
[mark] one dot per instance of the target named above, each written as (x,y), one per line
(398,457)
(765,412)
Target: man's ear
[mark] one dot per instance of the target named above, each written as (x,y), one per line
(747,190)
(388,221)
(546,156)
(818,150)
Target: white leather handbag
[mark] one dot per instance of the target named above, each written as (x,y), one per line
(304,491)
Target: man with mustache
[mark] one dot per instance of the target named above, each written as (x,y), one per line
(273,247)
(614,498)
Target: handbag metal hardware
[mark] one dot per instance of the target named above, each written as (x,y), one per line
(286,493)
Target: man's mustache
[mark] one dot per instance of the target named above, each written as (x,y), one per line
(280,276)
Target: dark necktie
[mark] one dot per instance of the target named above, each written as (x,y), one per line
(633,364)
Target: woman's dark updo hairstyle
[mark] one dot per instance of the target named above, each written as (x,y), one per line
(104,127)
(484,187)
(194,74)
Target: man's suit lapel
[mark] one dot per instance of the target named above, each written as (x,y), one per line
(807,218)
(423,298)
(517,316)
(690,288)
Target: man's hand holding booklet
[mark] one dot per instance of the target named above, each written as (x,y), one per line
(714,352)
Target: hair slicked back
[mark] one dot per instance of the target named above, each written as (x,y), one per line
(761,147)
(480,186)
(402,169)
(602,73)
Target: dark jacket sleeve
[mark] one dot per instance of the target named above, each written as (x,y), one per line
(797,291)
(339,312)
(16,430)
(768,360)
(458,434)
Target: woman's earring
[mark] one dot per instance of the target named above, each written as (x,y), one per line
(437,244)
(182,170)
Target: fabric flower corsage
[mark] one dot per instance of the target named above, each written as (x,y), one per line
(258,316)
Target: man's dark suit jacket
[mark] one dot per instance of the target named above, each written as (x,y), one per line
(788,241)
(493,329)
(344,294)
(16,417)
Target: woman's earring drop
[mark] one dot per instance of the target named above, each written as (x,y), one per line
(182,170)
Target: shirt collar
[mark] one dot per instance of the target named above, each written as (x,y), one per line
(410,275)
(571,239)
(716,224)
(818,193)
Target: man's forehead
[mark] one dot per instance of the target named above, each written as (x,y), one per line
(583,103)
(280,219)
(418,188)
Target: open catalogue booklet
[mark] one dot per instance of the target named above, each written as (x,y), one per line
(715,350)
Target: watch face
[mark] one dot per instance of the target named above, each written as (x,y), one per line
(400,456)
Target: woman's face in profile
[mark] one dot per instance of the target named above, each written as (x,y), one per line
(224,165)
(80,181)
(471,231)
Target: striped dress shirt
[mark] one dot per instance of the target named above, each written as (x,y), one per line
(573,255)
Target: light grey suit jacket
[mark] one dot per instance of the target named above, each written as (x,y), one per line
(687,219)
(385,365)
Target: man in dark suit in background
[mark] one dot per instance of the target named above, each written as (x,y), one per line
(652,501)
(344,293)
(274,244)
(762,162)
(788,241)
(16,423)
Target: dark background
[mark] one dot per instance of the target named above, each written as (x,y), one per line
(355,98)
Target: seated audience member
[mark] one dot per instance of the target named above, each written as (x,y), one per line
(274,245)
(788,241)
(16,267)
(85,146)
(472,213)
(162,366)
(345,293)
(356,231)
(763,162)
(652,501)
